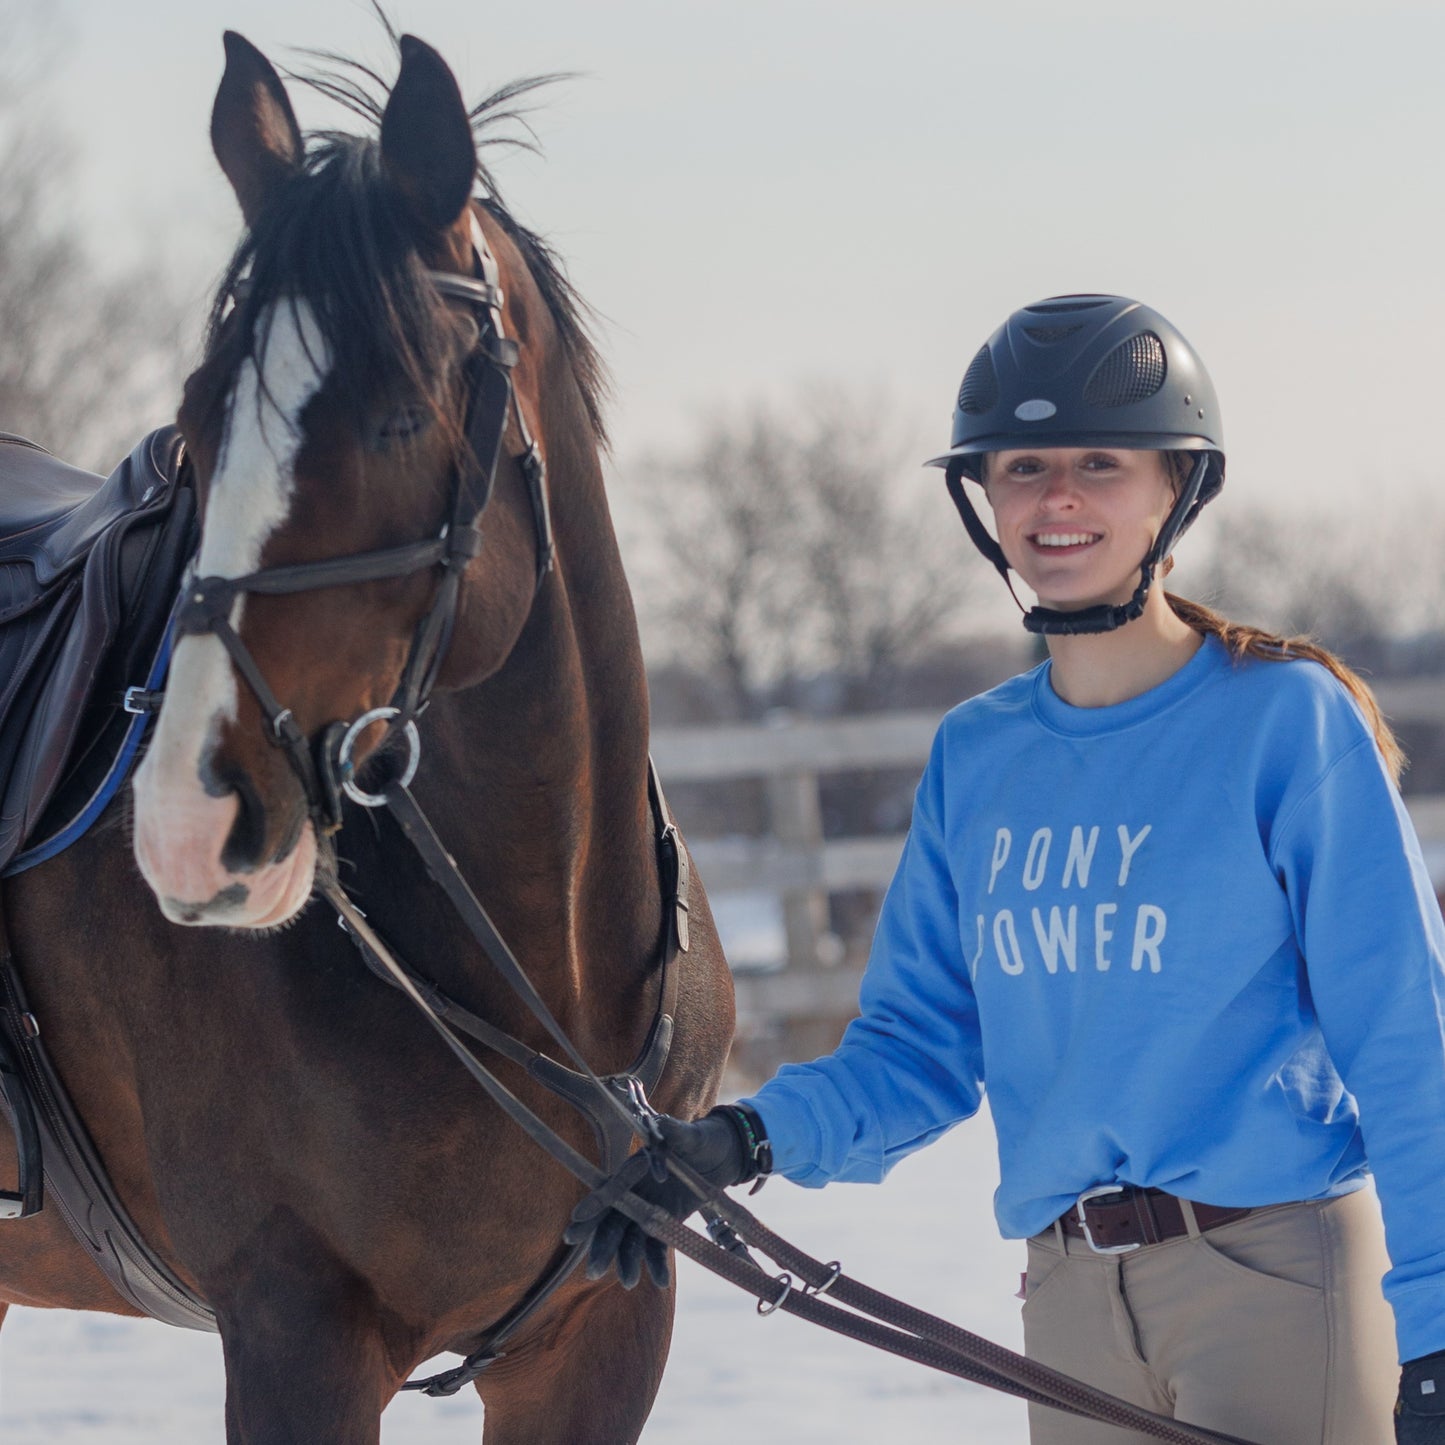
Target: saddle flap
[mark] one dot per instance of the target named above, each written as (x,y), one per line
(51,513)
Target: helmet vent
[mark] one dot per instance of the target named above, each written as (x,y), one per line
(1065,304)
(1049,335)
(979,392)
(1132,372)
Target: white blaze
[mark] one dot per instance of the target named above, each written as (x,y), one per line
(180,829)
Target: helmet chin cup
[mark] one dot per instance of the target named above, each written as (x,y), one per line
(1102,617)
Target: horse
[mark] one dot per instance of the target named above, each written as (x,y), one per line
(288,1136)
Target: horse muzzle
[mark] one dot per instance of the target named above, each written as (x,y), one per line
(182,847)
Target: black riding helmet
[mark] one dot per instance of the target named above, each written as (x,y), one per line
(1083,371)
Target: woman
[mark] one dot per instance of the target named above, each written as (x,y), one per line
(1159,894)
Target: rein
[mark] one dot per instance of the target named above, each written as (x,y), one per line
(616,1106)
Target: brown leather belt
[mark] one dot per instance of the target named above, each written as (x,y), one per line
(1115,1220)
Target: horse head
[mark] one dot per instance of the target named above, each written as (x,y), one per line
(328,424)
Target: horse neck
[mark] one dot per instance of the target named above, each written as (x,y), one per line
(560,835)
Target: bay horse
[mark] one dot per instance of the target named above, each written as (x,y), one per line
(288,1136)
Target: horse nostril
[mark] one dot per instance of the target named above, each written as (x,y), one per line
(241,852)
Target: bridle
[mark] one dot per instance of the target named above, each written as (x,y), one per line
(327,770)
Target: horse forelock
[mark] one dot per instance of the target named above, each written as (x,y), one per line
(338,235)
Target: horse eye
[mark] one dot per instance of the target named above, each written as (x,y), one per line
(402,426)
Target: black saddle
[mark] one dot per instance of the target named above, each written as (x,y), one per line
(89,571)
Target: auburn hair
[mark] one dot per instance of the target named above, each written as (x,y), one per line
(1241,640)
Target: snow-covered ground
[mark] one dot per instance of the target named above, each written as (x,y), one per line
(926,1235)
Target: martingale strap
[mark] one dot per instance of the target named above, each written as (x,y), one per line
(616,1106)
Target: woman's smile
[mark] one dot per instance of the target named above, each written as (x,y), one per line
(1057,542)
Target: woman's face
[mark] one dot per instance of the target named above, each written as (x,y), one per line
(1076,522)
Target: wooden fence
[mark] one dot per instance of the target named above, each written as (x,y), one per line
(797,863)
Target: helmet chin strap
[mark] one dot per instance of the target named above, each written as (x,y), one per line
(1103,616)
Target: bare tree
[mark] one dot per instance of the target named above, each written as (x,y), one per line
(719,591)
(795,554)
(87,363)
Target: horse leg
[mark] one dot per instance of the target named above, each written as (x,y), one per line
(304,1372)
(306,1361)
(589,1380)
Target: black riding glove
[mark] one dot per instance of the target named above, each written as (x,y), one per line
(727,1146)
(1420,1408)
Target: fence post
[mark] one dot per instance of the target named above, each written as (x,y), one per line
(795,816)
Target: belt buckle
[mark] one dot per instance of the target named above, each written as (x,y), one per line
(1081,1201)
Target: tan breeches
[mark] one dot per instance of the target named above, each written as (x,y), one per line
(1272,1328)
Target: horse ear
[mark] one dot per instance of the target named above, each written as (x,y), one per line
(426,138)
(253,128)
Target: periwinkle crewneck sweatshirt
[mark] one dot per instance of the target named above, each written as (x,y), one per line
(1186,942)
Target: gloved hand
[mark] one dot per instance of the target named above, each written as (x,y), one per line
(727,1146)
(1420,1408)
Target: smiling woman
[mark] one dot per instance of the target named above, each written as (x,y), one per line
(1161,898)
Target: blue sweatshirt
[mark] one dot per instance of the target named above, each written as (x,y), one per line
(1188,941)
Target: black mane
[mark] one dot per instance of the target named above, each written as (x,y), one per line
(570,313)
(338,234)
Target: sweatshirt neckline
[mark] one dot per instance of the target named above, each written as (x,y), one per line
(1064,717)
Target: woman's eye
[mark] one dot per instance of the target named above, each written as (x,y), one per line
(402,426)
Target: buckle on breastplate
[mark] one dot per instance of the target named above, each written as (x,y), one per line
(1081,1214)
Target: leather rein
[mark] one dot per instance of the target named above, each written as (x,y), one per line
(616,1105)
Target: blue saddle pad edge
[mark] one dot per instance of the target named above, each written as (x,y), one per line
(114,779)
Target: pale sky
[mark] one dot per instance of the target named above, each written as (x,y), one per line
(761,192)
